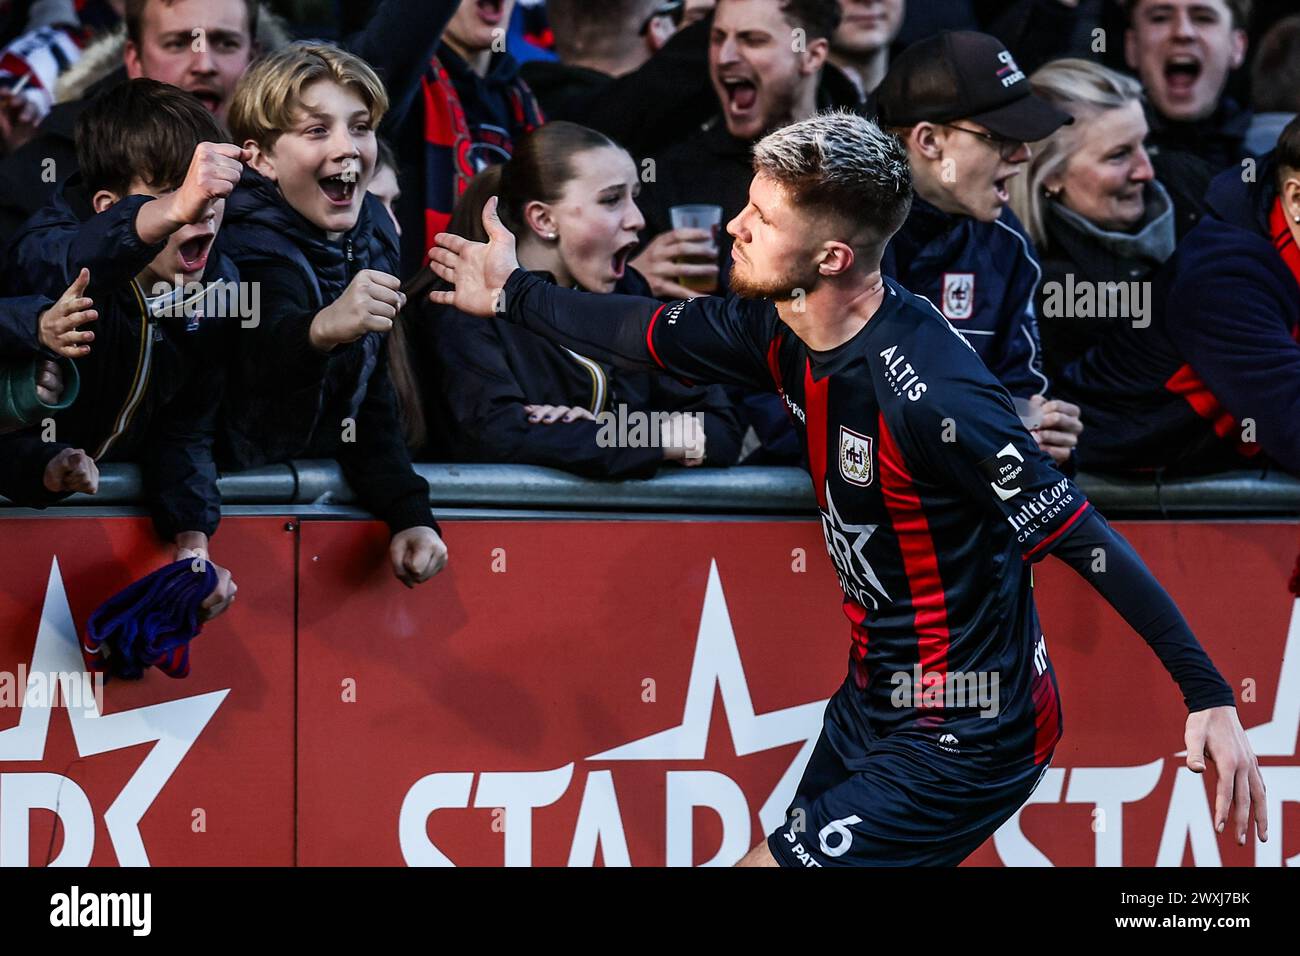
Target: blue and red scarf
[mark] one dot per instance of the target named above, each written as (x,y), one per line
(150,622)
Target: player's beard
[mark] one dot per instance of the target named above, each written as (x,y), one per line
(778,288)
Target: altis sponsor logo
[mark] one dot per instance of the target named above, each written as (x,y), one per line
(1039,510)
(900,375)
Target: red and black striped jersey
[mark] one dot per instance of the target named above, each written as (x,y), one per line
(934,500)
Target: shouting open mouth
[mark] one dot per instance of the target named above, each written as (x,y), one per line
(339,189)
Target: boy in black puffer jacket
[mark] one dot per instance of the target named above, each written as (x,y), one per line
(311,380)
(134,230)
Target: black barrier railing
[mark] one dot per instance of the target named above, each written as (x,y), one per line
(704,490)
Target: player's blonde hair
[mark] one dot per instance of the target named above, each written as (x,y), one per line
(844,166)
(270,94)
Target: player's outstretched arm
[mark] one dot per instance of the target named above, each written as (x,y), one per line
(1213,729)
(477,271)
(703,340)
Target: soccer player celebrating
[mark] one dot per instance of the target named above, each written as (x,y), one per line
(934,502)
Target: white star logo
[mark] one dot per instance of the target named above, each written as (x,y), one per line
(1277,738)
(175,725)
(855,575)
(717,663)
(1188,818)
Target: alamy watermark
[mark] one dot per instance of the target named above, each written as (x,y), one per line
(1073,299)
(78,690)
(132,911)
(637,429)
(948,689)
(221,299)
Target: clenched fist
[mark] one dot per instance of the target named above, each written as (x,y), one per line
(417,555)
(369,304)
(682,438)
(222,596)
(49,382)
(1058,429)
(213,174)
(192,546)
(72,470)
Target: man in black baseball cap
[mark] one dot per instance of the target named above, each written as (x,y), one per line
(966,84)
(966,113)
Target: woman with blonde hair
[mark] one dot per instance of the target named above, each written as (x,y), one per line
(1091,203)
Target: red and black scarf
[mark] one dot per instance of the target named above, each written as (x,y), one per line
(1280,230)
(1283,241)
(1186,383)
(448,140)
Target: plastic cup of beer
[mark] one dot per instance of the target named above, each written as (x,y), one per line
(704,217)
(1031,415)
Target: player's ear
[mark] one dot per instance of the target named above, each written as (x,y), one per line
(836,258)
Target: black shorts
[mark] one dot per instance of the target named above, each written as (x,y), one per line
(897,801)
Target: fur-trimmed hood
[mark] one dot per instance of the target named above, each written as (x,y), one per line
(103,55)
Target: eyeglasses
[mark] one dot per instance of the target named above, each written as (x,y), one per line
(672,8)
(1006,147)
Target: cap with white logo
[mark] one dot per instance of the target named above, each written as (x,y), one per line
(960,74)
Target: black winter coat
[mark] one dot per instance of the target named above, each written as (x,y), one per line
(287,399)
(150,387)
(479,374)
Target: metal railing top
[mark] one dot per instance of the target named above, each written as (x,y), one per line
(748,490)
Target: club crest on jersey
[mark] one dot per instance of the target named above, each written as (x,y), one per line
(958,295)
(855,457)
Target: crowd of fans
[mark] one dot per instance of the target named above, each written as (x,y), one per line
(1121,249)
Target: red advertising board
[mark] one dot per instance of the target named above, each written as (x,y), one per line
(622,692)
(168,772)
(646,693)
(542,647)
